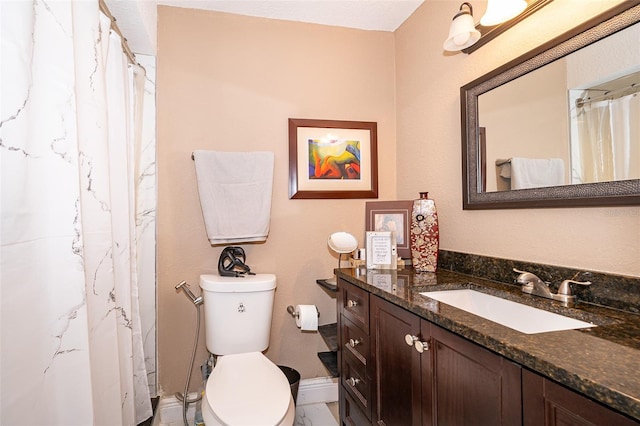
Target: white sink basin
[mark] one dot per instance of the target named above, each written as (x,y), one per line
(517,316)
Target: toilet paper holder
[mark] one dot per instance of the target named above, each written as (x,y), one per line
(294,314)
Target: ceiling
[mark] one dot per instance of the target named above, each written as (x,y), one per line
(137,18)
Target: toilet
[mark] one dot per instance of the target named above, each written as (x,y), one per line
(245,387)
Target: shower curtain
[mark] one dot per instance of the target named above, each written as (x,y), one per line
(71,348)
(609,140)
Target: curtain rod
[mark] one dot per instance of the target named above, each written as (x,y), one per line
(611,94)
(125,46)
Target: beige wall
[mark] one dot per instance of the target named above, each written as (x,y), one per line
(229,83)
(429,151)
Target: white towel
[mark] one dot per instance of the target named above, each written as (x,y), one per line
(235,194)
(536,173)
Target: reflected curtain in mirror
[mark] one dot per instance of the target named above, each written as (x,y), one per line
(606,137)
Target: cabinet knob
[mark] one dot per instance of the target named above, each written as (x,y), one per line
(410,339)
(421,346)
(352,303)
(414,341)
(354,342)
(353,381)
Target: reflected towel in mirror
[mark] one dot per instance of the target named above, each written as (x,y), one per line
(536,172)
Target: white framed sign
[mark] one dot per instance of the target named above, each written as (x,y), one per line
(382,251)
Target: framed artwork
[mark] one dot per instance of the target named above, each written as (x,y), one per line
(391,216)
(332,159)
(381,250)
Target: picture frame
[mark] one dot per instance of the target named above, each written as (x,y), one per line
(391,216)
(382,251)
(332,159)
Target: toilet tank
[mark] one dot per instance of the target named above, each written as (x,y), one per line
(237,312)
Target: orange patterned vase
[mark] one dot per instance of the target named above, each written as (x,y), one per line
(424,234)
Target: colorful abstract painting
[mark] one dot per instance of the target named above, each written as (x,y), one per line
(334,159)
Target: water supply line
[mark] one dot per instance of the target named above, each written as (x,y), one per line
(184,397)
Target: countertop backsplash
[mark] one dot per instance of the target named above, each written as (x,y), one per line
(613,291)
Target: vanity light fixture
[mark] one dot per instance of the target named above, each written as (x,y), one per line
(462,32)
(499,11)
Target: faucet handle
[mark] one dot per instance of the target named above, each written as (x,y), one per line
(565,286)
(527,278)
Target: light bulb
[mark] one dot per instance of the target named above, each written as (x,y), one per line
(499,11)
(461,39)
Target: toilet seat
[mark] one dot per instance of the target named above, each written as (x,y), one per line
(247,389)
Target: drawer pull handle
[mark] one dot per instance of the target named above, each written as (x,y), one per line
(353,343)
(352,303)
(353,381)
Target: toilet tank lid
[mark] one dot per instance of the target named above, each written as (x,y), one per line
(243,284)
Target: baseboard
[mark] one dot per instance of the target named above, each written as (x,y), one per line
(316,390)
(310,391)
(170,410)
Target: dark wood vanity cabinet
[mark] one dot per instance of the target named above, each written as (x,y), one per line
(550,404)
(386,381)
(451,382)
(398,367)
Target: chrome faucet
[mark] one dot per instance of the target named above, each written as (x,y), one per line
(531,284)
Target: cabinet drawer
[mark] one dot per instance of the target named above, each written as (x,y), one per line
(355,304)
(355,381)
(351,414)
(355,341)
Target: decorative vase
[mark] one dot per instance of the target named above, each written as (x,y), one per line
(425,235)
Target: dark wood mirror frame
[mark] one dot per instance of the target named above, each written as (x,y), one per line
(596,194)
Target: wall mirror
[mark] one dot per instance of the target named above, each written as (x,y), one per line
(525,140)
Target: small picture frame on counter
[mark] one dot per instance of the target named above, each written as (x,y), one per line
(391,216)
(382,251)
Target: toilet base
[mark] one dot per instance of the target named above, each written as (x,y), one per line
(210,419)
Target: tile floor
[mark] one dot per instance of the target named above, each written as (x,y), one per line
(317,415)
(306,415)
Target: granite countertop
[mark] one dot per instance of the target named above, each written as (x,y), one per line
(601,362)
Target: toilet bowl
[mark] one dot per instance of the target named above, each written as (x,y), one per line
(245,388)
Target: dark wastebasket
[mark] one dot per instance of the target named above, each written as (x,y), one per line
(294,380)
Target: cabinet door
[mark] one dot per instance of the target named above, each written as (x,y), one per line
(473,386)
(397,390)
(548,403)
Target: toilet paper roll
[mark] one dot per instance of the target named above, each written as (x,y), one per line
(307,317)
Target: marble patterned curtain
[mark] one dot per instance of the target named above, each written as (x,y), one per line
(71,348)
